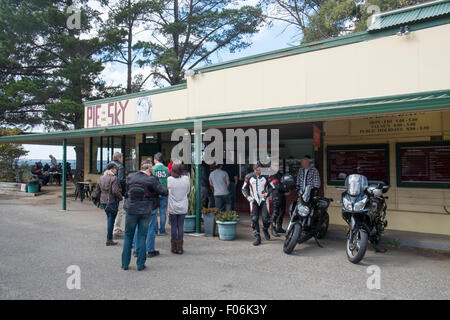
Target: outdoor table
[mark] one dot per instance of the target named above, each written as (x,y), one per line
(84,189)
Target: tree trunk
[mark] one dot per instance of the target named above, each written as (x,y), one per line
(79,153)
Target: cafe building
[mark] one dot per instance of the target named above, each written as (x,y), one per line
(375,102)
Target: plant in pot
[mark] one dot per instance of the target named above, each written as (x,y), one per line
(189,223)
(227,222)
(209,221)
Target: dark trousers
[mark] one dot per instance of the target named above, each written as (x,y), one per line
(142,222)
(177,226)
(279,208)
(223,202)
(111,213)
(259,210)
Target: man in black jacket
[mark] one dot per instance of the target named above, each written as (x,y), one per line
(279,200)
(143,194)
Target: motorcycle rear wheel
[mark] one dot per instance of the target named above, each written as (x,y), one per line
(359,245)
(292,238)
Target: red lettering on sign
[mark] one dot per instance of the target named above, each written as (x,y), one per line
(110,114)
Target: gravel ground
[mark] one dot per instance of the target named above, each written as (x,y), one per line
(39,242)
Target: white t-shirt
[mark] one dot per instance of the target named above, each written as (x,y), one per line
(179,189)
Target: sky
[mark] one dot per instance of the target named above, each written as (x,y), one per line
(267,39)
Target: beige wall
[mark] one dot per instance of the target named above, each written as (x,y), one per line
(410,209)
(385,66)
(171,105)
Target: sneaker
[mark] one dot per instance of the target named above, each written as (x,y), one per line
(152,254)
(141,268)
(125,268)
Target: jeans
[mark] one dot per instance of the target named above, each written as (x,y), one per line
(223,202)
(152,228)
(162,214)
(111,213)
(131,222)
(177,223)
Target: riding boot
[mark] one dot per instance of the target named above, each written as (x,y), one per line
(180,246)
(257,241)
(274,232)
(378,248)
(266,233)
(280,228)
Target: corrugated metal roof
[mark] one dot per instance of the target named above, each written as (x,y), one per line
(410,15)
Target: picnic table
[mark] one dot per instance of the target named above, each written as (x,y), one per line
(84,190)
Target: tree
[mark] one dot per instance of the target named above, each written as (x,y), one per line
(48,68)
(123,23)
(186,33)
(321,19)
(9,156)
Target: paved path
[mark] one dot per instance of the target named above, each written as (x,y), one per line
(38,243)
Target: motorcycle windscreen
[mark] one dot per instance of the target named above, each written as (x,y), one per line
(356,184)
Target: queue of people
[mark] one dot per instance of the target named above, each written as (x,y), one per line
(144,194)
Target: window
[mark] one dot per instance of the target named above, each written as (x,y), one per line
(423,164)
(102,150)
(371,161)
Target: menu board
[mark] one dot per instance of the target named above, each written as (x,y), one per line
(371,162)
(424,164)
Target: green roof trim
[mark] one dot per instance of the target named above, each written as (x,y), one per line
(409,15)
(137,94)
(422,101)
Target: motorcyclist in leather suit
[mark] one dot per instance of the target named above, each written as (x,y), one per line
(279,200)
(256,190)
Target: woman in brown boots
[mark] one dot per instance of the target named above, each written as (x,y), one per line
(179,188)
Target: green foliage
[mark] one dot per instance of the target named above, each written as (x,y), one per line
(9,156)
(226,216)
(187,33)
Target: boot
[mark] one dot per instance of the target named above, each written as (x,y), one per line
(266,233)
(280,228)
(274,232)
(378,248)
(180,247)
(257,241)
(173,246)
(110,243)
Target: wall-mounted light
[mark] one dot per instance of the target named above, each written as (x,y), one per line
(404,30)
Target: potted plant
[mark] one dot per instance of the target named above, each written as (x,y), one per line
(209,215)
(189,223)
(227,222)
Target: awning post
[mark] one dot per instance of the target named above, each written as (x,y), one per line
(64,174)
(197,162)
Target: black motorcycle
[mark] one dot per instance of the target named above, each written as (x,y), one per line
(364,209)
(309,219)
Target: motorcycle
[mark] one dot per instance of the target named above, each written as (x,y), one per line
(364,209)
(308,219)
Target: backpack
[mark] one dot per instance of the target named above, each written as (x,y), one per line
(137,192)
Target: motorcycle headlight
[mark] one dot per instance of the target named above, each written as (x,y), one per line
(347,204)
(303,211)
(359,206)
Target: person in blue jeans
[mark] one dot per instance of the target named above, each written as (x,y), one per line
(143,192)
(152,230)
(162,173)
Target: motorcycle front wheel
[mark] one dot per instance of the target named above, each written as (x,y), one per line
(292,238)
(357,241)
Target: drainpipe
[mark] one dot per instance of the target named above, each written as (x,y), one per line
(64,175)
(197,162)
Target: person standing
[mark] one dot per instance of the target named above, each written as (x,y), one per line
(110,196)
(53,160)
(118,161)
(308,175)
(232,170)
(179,188)
(219,182)
(256,189)
(162,173)
(279,200)
(142,202)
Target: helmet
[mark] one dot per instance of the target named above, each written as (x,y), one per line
(287,182)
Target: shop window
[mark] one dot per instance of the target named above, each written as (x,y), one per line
(130,154)
(371,161)
(103,148)
(423,164)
